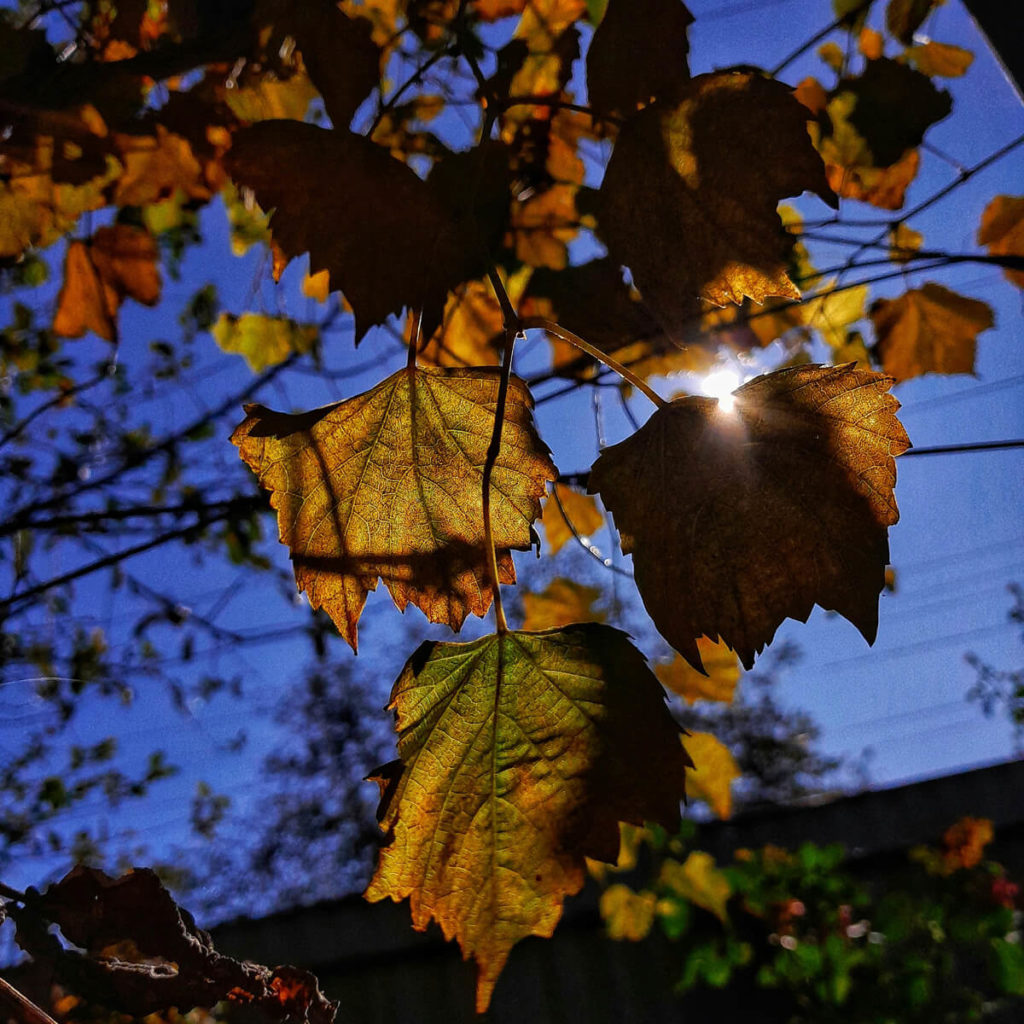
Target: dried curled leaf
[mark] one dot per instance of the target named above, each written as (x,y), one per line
(689,199)
(388,238)
(929,330)
(389,484)
(175,963)
(639,53)
(490,812)
(739,519)
(118,262)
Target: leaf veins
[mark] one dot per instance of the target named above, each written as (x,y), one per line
(519,756)
(737,520)
(389,485)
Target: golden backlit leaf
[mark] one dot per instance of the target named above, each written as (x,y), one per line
(268,97)
(699,881)
(388,484)
(883,187)
(941,59)
(833,311)
(1002,230)
(904,242)
(628,915)
(560,603)
(870,43)
(639,53)
(544,225)
(722,668)
(317,286)
(715,770)
(388,238)
(118,262)
(581,509)
(739,519)
(689,199)
(263,340)
(490,812)
(157,166)
(929,330)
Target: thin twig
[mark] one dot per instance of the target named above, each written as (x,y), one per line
(591,549)
(22,1008)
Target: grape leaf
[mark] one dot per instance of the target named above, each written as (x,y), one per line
(118,262)
(263,340)
(929,330)
(1002,230)
(388,238)
(627,914)
(582,511)
(689,199)
(715,770)
(737,520)
(618,78)
(388,484)
(941,59)
(698,880)
(519,756)
(560,603)
(717,682)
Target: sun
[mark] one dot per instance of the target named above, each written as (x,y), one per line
(721,384)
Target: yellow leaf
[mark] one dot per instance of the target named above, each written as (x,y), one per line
(582,511)
(263,340)
(714,505)
(490,812)
(715,770)
(688,200)
(270,97)
(388,484)
(560,603)
(941,59)
(628,915)
(1002,230)
(544,225)
(722,668)
(833,311)
(317,286)
(929,330)
(118,262)
(904,241)
(699,881)
(832,54)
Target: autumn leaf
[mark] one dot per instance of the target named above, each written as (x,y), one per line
(929,330)
(698,880)
(904,242)
(389,484)
(543,226)
(1002,230)
(904,17)
(941,59)
(714,506)
(388,238)
(715,770)
(639,53)
(561,603)
(689,199)
(722,670)
(490,812)
(882,187)
(263,340)
(118,262)
(627,915)
(581,510)
(833,310)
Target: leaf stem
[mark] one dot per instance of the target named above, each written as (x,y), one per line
(513,328)
(540,323)
(20,1007)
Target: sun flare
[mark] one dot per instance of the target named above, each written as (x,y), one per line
(721,384)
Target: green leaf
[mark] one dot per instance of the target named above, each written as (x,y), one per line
(519,756)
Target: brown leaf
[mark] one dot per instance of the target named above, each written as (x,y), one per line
(544,225)
(388,484)
(883,187)
(118,262)
(941,59)
(581,509)
(1002,230)
(722,670)
(639,53)
(689,198)
(560,603)
(490,813)
(157,166)
(388,238)
(929,330)
(739,519)
(904,17)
